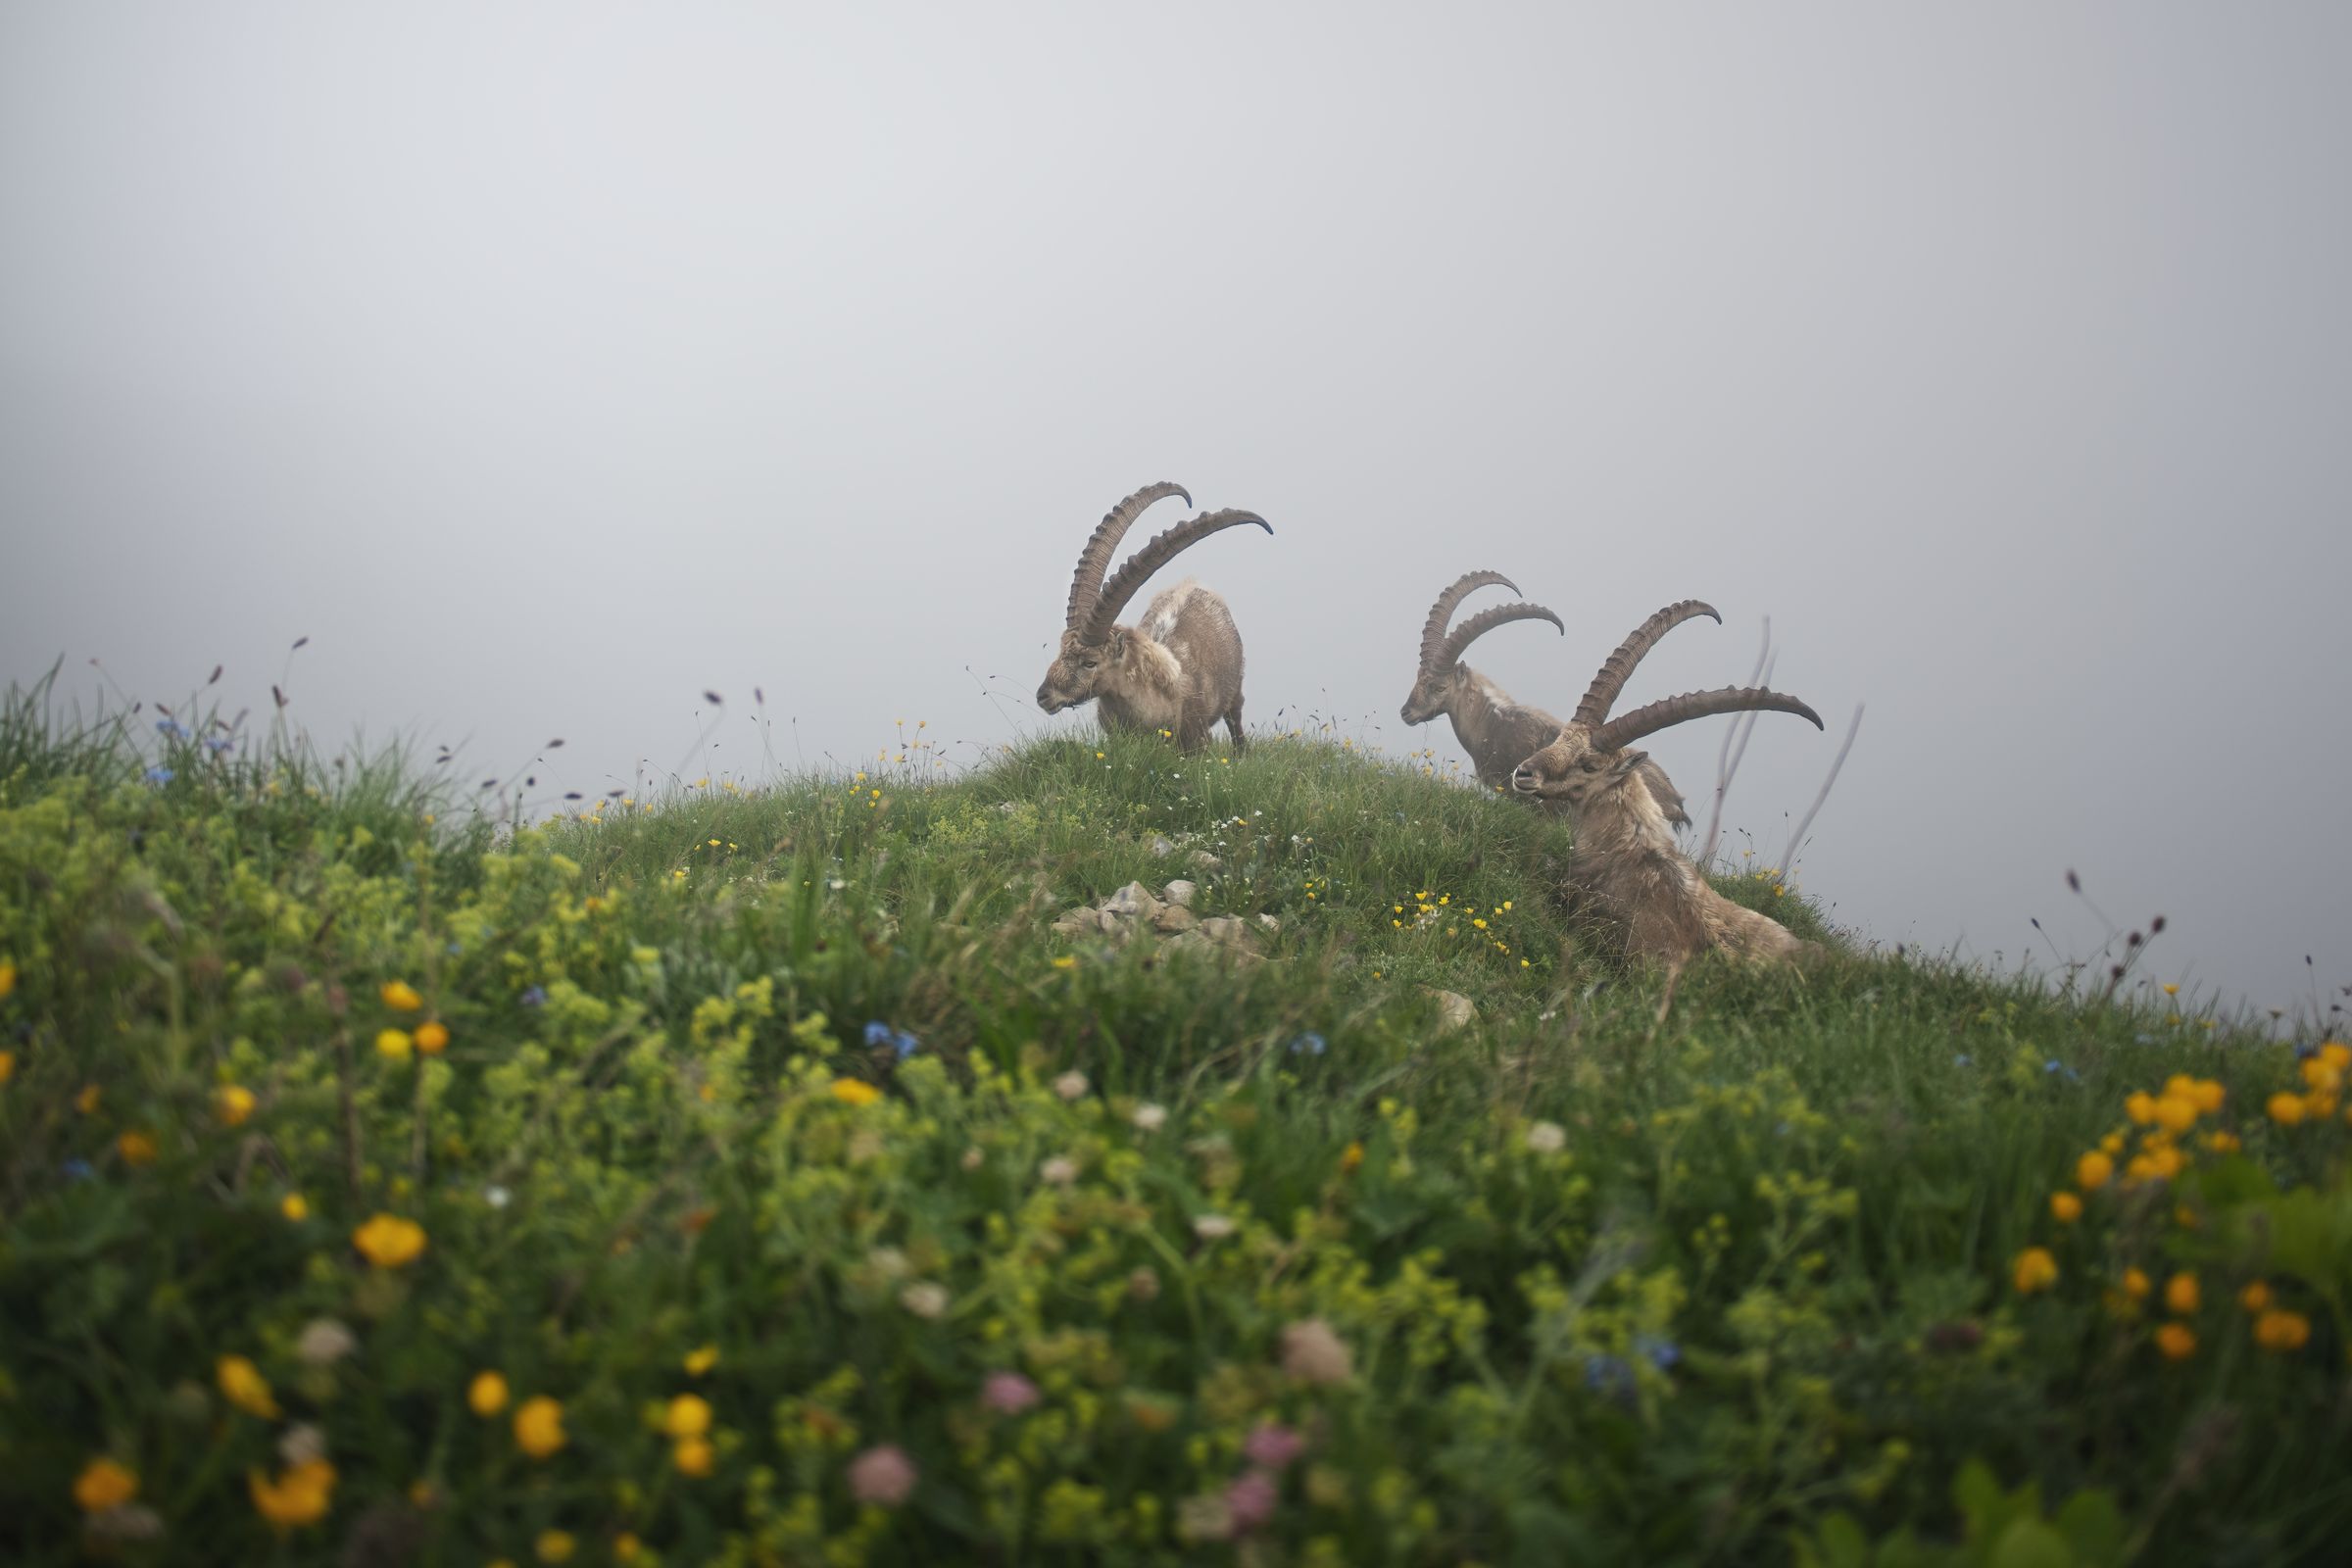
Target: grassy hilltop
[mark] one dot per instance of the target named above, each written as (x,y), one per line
(760,1178)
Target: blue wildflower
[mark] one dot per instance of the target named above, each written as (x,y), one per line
(218,744)
(904,1044)
(1309,1044)
(536,997)
(1964,1059)
(171,728)
(456,947)
(1662,1354)
(1609,1374)
(877,1033)
(161,775)
(78,1170)
(2306,1051)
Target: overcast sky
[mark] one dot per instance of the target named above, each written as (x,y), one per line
(549,365)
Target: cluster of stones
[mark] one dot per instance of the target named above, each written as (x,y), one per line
(1169,915)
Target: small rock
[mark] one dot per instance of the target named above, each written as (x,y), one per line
(1163,848)
(1174,918)
(1226,930)
(1079,922)
(1454,1011)
(1181,892)
(1205,861)
(1269,922)
(1109,924)
(1132,900)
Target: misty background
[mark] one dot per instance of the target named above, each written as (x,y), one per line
(547,365)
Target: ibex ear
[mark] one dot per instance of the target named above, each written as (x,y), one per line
(1117,645)
(1626,761)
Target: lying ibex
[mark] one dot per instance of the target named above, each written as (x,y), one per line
(1625,876)
(1498,732)
(1181,669)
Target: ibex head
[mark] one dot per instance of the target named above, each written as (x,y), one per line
(1093,645)
(1589,756)
(1442,650)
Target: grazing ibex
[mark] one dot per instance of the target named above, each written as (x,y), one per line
(1625,876)
(1498,732)
(1181,669)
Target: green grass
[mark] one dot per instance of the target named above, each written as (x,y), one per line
(1757,1304)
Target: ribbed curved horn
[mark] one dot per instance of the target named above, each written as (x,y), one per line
(1658,715)
(1485,621)
(1618,667)
(1159,553)
(1433,630)
(1103,543)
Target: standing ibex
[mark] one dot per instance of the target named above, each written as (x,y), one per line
(1181,669)
(1498,732)
(1625,874)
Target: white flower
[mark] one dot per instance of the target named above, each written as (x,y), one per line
(324,1342)
(302,1445)
(1071,1085)
(1211,1227)
(1149,1118)
(889,1262)
(925,1298)
(1546,1138)
(972,1157)
(497,1197)
(1061,1171)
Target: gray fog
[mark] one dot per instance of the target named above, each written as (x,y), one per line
(549,365)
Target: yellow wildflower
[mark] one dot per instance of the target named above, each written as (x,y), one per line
(137,1147)
(2176,1114)
(539,1427)
(394,1043)
(389,1242)
(87,1100)
(8,1065)
(103,1485)
(2170,990)
(2255,1297)
(2141,1106)
(2034,1270)
(2177,1342)
(2279,1330)
(233,1104)
(854,1092)
(2223,1142)
(555,1545)
(1065,961)
(401,997)
(243,1386)
(694,1456)
(2209,1094)
(626,1546)
(295,1208)
(432,1038)
(2181,1294)
(2135,1284)
(2335,1053)
(688,1416)
(2093,1171)
(2066,1208)
(701,1361)
(487,1395)
(2285,1110)
(300,1496)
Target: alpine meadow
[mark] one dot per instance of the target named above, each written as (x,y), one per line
(1112,1153)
